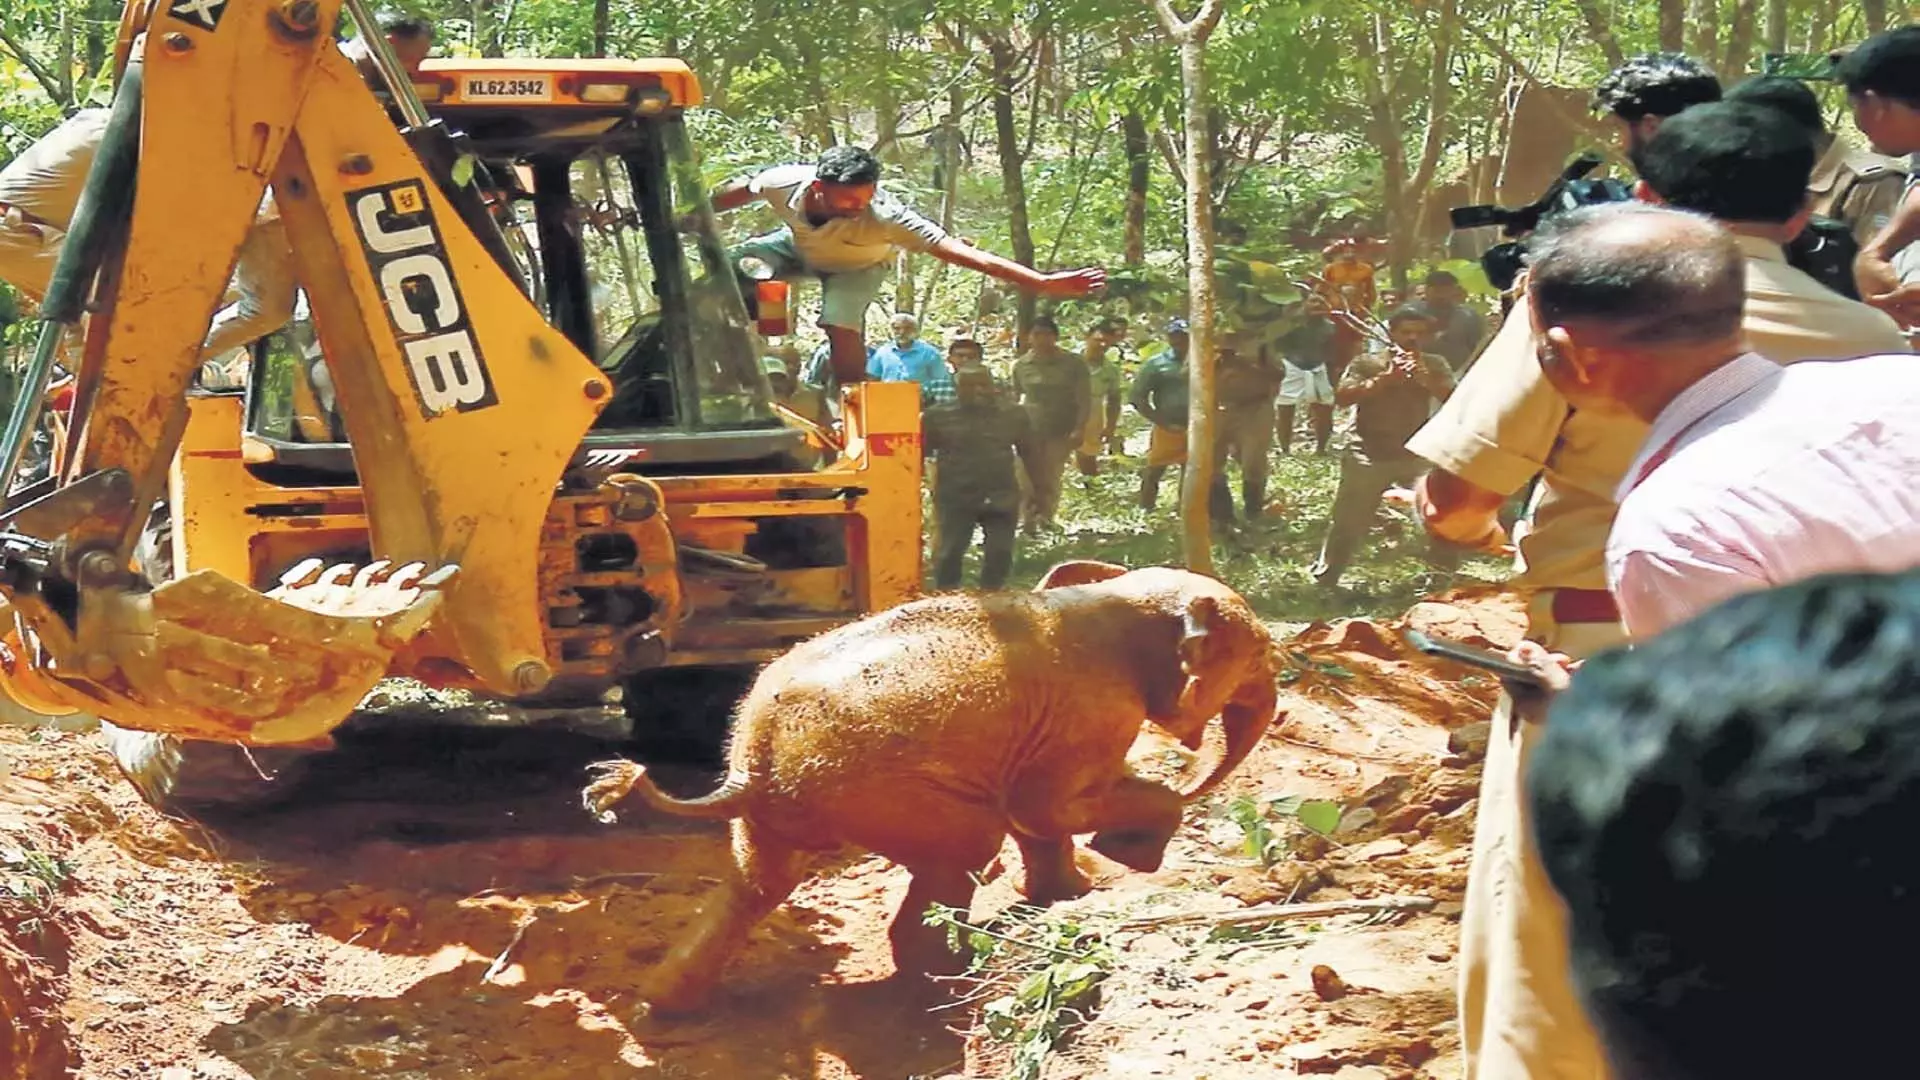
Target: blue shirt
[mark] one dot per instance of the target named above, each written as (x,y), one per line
(918,362)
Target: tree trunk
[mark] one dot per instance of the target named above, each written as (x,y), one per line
(1197,477)
(602,26)
(1777,26)
(1439,101)
(949,152)
(1876,13)
(1673,22)
(1740,37)
(1704,21)
(1600,28)
(1139,173)
(1006,132)
(1383,125)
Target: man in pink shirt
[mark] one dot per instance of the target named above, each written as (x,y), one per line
(1753,475)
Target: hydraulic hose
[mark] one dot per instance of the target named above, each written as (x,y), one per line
(99,221)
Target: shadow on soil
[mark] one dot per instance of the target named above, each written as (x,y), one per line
(517,932)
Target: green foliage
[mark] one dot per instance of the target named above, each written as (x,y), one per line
(32,877)
(1048,969)
(1257,818)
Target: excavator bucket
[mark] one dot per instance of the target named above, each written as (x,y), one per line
(205,657)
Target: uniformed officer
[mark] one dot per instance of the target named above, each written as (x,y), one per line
(1160,393)
(1249,375)
(1057,390)
(1882,78)
(1858,187)
(974,440)
(1504,425)
(1101,432)
(1393,391)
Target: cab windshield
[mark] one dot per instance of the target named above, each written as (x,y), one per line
(655,302)
(613,242)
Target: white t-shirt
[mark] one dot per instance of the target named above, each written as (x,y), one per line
(843,244)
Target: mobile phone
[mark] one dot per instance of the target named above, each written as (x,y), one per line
(1486,659)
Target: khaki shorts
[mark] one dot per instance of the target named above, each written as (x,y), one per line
(1168,447)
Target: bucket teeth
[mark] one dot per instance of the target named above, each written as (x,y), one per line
(206,657)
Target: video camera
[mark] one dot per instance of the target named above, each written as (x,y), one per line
(1570,190)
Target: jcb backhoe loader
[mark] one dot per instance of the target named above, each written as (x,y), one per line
(531,460)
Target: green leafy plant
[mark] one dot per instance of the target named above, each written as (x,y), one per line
(1257,819)
(1046,972)
(33,877)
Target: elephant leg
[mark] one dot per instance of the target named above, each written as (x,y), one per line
(1135,821)
(1051,873)
(917,947)
(765,873)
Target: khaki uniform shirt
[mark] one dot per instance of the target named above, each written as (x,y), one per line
(1505,422)
(1857,187)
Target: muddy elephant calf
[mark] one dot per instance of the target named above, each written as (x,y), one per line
(930,732)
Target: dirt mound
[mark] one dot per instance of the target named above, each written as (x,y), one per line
(443,908)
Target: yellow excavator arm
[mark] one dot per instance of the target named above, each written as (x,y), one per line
(462,404)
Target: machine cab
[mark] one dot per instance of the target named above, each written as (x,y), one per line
(595,188)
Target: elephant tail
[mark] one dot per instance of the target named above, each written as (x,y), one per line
(615,780)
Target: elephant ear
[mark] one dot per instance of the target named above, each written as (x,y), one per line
(1083,572)
(1200,625)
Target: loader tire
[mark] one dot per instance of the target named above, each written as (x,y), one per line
(683,715)
(188,774)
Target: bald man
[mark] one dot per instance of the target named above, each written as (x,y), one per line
(1753,475)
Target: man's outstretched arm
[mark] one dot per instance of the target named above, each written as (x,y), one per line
(1063,283)
(733,195)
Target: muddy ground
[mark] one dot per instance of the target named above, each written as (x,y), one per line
(439,906)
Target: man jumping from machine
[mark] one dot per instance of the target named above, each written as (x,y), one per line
(839,225)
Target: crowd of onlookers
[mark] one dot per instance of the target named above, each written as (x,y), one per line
(999,449)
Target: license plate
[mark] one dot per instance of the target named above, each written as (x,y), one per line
(507,88)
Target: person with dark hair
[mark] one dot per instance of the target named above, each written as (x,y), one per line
(1507,424)
(1747,166)
(1700,800)
(1102,430)
(1160,394)
(1458,329)
(1882,78)
(1057,390)
(1308,352)
(1248,378)
(840,226)
(1643,92)
(1392,392)
(1858,187)
(974,440)
(1752,475)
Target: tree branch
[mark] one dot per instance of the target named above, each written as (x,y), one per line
(47,79)
(1199,26)
(1600,28)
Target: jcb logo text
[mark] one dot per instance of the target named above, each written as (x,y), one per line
(409,264)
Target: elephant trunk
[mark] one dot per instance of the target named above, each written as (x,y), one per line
(1245,720)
